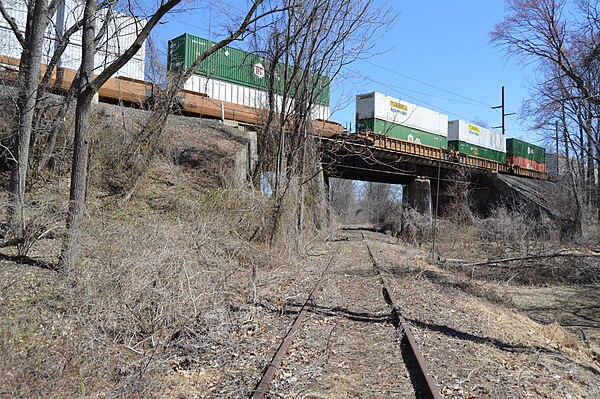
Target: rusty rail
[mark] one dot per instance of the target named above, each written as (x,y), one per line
(262,388)
(429,386)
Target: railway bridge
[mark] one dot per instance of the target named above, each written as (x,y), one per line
(428,179)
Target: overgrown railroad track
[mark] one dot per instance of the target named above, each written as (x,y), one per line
(345,340)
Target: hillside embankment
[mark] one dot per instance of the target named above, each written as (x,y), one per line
(180,295)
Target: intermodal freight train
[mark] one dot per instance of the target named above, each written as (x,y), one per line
(390,122)
(231,85)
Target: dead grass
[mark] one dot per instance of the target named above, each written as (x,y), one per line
(163,287)
(178,293)
(158,290)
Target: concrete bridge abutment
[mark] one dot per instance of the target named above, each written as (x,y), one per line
(418,196)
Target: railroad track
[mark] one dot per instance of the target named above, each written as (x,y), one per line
(364,337)
(427,385)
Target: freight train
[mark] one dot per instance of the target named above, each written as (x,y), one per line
(382,120)
(231,85)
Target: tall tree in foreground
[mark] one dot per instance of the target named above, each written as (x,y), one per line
(41,31)
(39,14)
(89,85)
(145,145)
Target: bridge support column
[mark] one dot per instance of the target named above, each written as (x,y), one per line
(418,196)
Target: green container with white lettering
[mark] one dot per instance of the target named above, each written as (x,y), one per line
(523,149)
(230,64)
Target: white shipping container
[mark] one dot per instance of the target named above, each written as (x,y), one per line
(243,95)
(9,44)
(122,30)
(71,59)
(67,14)
(132,69)
(379,106)
(459,130)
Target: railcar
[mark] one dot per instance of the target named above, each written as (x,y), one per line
(477,141)
(525,155)
(120,89)
(243,78)
(390,123)
(392,117)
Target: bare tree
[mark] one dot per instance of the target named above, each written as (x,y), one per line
(562,39)
(382,205)
(343,198)
(39,13)
(41,20)
(88,86)
(308,47)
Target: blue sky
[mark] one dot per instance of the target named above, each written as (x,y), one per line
(437,54)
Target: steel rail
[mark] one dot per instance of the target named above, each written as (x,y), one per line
(262,388)
(429,385)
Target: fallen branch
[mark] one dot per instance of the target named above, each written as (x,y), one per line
(560,254)
(26,260)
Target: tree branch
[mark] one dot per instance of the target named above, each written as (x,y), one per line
(559,254)
(13,25)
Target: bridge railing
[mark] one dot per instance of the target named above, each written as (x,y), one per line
(393,144)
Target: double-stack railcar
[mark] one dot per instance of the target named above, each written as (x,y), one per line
(382,114)
(394,124)
(240,77)
(477,141)
(233,84)
(118,33)
(525,155)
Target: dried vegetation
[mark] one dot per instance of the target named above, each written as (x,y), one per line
(166,290)
(179,294)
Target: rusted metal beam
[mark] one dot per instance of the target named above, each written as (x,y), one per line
(262,388)
(429,386)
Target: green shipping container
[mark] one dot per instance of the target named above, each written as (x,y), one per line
(236,66)
(477,151)
(401,132)
(519,148)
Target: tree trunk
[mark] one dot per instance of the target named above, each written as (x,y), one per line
(83,109)
(29,75)
(88,87)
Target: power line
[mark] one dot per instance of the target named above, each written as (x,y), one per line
(435,107)
(427,84)
(358,74)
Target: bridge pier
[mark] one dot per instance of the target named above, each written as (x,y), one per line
(418,195)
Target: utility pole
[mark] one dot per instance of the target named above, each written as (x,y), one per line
(504,115)
(556,131)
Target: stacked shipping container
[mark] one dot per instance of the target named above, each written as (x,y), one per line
(237,76)
(526,155)
(378,113)
(476,141)
(120,33)
(9,45)
(383,114)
